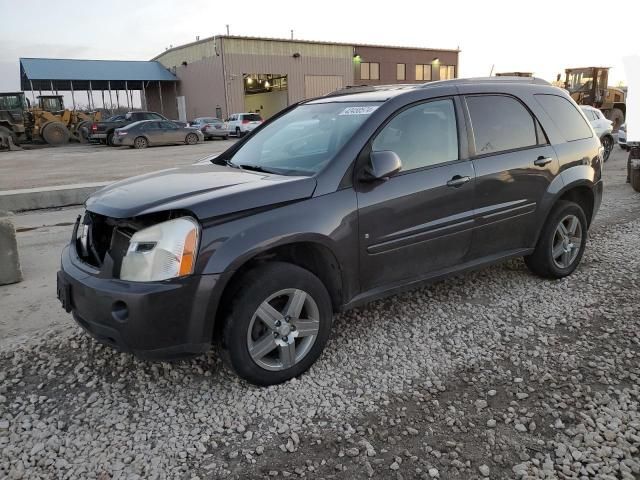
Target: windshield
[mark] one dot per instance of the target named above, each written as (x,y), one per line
(304,140)
(580,80)
(252,117)
(12,102)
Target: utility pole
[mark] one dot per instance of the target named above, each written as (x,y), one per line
(227,29)
(292,34)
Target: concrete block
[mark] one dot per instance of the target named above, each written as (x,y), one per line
(10,271)
(47,197)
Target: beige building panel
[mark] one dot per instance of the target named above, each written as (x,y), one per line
(189,53)
(244,46)
(318,85)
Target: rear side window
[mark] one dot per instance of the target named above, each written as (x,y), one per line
(500,123)
(565,116)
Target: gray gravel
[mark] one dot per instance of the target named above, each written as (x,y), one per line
(497,374)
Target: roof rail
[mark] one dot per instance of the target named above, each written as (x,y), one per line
(461,81)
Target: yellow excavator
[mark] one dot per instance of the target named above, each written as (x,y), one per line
(589,86)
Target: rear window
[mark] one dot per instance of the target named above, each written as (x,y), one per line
(565,116)
(252,117)
(500,123)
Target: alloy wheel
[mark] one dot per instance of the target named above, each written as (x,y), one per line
(607,144)
(567,240)
(283,329)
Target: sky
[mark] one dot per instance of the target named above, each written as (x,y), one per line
(542,36)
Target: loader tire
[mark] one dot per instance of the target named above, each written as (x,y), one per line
(55,133)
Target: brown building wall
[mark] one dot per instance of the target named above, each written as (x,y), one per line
(168,107)
(388,58)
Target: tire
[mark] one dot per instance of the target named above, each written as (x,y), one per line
(140,143)
(110,139)
(275,284)
(238,132)
(543,261)
(617,117)
(225,137)
(191,139)
(5,132)
(634,179)
(607,144)
(82,131)
(55,133)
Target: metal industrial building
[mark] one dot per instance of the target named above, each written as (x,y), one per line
(227,74)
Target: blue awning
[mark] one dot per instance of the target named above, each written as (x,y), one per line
(97,74)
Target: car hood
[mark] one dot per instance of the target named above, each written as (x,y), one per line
(205,190)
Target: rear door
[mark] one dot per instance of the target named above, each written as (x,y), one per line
(153,132)
(514,165)
(419,221)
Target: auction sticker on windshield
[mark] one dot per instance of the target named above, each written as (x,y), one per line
(359,110)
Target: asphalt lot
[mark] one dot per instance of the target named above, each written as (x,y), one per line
(84,163)
(494,374)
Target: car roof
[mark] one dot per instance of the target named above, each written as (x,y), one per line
(382,93)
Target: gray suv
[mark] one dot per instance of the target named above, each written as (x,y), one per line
(332,203)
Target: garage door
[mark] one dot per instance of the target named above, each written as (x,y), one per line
(318,85)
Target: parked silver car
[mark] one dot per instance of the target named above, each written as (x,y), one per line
(211,127)
(152,132)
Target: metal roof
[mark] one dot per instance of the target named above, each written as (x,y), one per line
(42,72)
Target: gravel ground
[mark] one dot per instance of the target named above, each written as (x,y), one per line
(496,374)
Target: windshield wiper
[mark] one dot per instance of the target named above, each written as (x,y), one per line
(255,168)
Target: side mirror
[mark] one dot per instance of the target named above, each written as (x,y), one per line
(382,165)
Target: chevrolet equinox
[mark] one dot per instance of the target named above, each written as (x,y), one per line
(331,203)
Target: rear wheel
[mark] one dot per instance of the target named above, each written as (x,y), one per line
(110,139)
(238,132)
(561,243)
(55,133)
(617,117)
(140,142)
(83,130)
(607,144)
(191,139)
(277,324)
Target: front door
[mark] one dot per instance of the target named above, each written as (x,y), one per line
(171,133)
(419,221)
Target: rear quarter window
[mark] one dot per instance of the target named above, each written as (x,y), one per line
(565,116)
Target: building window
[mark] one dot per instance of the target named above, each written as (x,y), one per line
(447,72)
(401,71)
(369,71)
(423,72)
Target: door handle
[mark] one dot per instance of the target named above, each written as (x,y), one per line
(542,161)
(458,181)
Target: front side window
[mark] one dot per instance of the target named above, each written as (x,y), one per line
(422,135)
(565,116)
(500,123)
(304,140)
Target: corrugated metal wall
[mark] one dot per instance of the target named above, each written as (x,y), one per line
(191,52)
(243,56)
(318,85)
(202,83)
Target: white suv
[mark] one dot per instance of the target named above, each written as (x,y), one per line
(240,124)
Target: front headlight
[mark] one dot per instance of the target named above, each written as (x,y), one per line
(166,250)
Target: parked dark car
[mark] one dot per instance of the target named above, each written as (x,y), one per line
(150,132)
(370,193)
(103,132)
(211,127)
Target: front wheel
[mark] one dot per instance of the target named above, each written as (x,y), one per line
(277,325)
(561,243)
